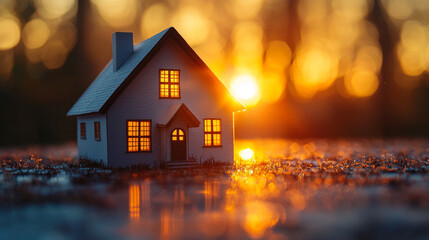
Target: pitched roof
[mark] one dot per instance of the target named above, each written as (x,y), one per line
(109,84)
(176,110)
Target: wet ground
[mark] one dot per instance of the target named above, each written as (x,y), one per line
(277,189)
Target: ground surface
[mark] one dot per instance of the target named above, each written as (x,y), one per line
(306,189)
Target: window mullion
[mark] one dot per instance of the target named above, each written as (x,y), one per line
(139,135)
(211,132)
(169,83)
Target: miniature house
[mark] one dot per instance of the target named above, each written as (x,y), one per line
(155,103)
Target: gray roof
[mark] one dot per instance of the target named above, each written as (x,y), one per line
(108,81)
(109,84)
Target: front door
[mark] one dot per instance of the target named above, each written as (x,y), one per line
(178,145)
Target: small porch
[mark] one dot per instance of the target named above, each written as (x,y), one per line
(174,129)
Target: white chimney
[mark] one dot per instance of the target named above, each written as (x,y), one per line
(123,47)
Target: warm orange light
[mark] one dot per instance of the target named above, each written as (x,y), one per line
(361,83)
(134,201)
(10,32)
(259,217)
(313,70)
(247,154)
(212,132)
(35,33)
(117,13)
(246,89)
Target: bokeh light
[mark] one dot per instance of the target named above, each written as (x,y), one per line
(244,9)
(35,33)
(361,83)
(52,9)
(6,62)
(117,13)
(411,50)
(314,69)
(399,9)
(329,46)
(54,54)
(10,32)
(154,19)
(192,25)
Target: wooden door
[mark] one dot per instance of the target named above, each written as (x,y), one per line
(178,145)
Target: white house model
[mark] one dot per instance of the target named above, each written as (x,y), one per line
(155,103)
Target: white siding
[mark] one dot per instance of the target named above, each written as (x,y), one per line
(140,100)
(90,148)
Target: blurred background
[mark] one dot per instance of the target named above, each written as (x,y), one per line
(304,68)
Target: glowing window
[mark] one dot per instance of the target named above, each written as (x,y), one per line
(177,135)
(82,131)
(212,133)
(139,137)
(97,135)
(169,83)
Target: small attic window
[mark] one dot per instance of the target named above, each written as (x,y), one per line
(169,83)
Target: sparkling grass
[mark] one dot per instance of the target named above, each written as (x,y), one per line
(307,189)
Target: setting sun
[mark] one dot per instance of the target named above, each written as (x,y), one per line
(246,89)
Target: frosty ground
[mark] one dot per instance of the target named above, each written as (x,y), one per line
(302,189)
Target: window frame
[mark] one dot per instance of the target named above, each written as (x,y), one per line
(97,131)
(212,133)
(169,83)
(139,136)
(82,130)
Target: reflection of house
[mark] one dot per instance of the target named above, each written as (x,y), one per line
(154,103)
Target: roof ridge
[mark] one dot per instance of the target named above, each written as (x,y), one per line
(109,84)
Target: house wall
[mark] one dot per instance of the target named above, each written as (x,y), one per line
(90,148)
(140,100)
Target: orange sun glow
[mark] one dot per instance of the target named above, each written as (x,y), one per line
(246,89)
(247,154)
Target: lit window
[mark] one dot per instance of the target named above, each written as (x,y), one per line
(97,131)
(82,131)
(212,133)
(169,83)
(177,135)
(139,136)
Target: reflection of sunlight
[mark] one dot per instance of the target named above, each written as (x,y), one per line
(260,216)
(247,154)
(134,201)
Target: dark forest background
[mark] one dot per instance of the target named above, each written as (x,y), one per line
(34,99)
